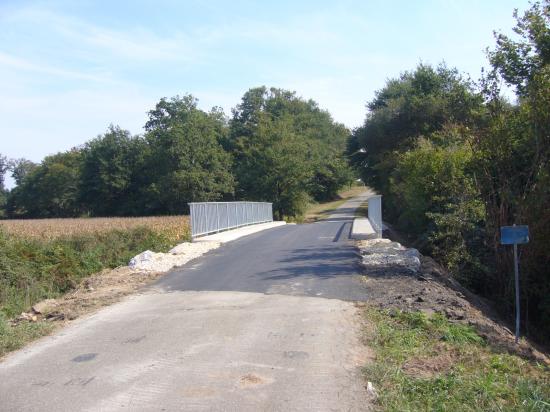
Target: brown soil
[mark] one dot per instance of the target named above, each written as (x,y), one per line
(433,290)
(427,367)
(101,289)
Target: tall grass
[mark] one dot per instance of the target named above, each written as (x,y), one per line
(430,364)
(35,265)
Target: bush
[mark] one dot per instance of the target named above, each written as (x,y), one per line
(438,202)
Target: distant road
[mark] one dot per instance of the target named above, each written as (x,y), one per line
(265,322)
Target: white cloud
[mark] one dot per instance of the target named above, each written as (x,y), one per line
(18,63)
(89,39)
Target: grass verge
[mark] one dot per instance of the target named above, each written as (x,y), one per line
(35,269)
(428,363)
(318,211)
(363,210)
(15,337)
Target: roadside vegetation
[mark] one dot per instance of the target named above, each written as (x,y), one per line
(453,158)
(455,161)
(51,258)
(427,363)
(321,210)
(15,337)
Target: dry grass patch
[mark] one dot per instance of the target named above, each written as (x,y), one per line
(48,229)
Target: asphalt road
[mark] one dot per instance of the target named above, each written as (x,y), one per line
(305,260)
(265,322)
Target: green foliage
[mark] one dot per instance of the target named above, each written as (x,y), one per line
(180,159)
(49,190)
(273,166)
(512,158)
(4,165)
(455,165)
(20,168)
(453,169)
(439,202)
(15,337)
(416,104)
(331,175)
(415,153)
(110,174)
(3,202)
(286,150)
(454,369)
(186,161)
(187,155)
(521,62)
(32,270)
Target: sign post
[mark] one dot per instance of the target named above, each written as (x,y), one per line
(514,235)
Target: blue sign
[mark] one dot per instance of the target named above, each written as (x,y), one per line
(510,235)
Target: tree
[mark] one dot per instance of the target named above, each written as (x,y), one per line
(20,168)
(331,174)
(186,161)
(418,103)
(512,159)
(273,166)
(4,165)
(111,172)
(439,203)
(523,63)
(50,190)
(294,124)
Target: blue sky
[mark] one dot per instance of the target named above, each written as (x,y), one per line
(70,68)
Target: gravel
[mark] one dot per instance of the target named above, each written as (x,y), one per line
(383,254)
(178,256)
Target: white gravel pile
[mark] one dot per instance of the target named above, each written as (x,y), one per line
(178,256)
(382,254)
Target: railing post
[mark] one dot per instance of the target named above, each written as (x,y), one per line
(217,217)
(193,220)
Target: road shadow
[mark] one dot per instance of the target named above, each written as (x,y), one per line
(316,262)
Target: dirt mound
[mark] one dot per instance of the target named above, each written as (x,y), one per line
(431,289)
(101,289)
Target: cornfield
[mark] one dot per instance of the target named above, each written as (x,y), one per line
(174,227)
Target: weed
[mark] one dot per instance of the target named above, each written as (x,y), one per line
(461,371)
(32,269)
(15,337)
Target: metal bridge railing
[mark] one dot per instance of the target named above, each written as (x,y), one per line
(375,213)
(212,217)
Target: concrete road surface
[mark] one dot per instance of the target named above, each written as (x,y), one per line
(264,323)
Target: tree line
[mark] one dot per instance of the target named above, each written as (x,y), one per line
(455,161)
(276,147)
